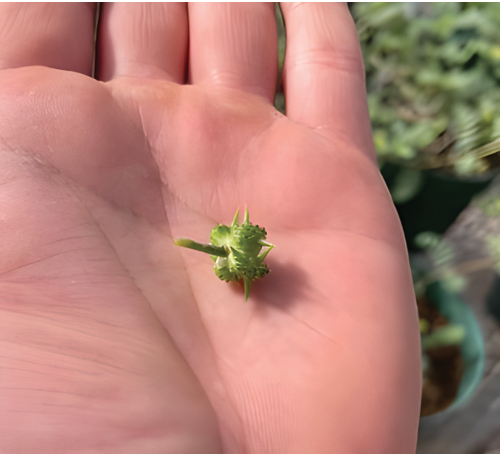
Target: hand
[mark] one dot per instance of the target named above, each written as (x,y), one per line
(112,339)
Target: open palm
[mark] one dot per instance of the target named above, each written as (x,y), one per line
(115,340)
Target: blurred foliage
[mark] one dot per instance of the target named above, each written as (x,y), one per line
(433,80)
(493,242)
(440,267)
(279,100)
(441,263)
(489,204)
(442,257)
(406,184)
(448,335)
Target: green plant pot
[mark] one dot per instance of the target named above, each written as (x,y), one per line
(456,311)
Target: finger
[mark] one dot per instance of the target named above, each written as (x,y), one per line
(234,45)
(323,71)
(57,35)
(143,40)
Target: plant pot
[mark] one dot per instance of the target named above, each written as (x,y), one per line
(472,351)
(436,205)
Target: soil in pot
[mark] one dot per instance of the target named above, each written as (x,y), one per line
(445,366)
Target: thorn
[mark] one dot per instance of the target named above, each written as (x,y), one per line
(260,258)
(248,284)
(235,219)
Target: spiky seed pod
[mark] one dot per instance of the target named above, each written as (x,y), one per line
(236,251)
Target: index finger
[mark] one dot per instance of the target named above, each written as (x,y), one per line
(323,73)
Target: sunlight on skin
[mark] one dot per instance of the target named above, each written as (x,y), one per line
(115,340)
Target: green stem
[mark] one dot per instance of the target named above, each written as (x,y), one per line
(205,248)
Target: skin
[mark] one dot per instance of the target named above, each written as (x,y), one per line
(115,340)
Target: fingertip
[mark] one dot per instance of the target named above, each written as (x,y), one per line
(323,74)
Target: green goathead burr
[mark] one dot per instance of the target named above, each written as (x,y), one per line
(236,251)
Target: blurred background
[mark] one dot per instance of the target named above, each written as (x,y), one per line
(433,85)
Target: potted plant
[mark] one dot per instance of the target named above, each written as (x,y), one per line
(433,85)
(433,90)
(452,350)
(453,354)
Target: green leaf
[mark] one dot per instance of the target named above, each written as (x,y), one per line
(406,185)
(444,336)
